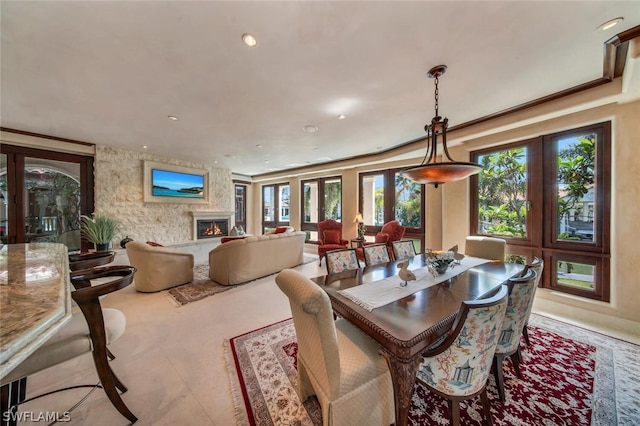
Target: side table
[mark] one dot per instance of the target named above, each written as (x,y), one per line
(357,241)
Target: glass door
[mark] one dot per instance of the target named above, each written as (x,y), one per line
(42,195)
(51,195)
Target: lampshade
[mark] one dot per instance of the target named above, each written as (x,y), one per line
(358,218)
(430,171)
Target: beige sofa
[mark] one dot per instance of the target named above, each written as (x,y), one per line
(247,259)
(159,268)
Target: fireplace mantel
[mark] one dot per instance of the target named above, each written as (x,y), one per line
(204,215)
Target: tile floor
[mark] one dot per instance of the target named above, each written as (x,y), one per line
(171,359)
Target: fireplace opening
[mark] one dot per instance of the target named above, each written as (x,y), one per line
(212,228)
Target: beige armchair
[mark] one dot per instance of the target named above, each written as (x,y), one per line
(336,362)
(159,267)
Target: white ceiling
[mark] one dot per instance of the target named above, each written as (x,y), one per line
(110,73)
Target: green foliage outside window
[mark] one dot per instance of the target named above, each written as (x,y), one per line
(502,193)
(408,202)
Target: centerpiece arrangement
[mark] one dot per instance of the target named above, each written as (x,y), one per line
(440,261)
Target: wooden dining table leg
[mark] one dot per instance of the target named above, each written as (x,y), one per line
(403,377)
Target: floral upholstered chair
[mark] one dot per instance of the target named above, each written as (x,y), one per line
(403,249)
(330,237)
(338,363)
(521,291)
(342,260)
(538,266)
(375,254)
(458,369)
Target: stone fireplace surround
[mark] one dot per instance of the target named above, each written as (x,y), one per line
(199,247)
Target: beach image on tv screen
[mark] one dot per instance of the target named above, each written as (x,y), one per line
(173,184)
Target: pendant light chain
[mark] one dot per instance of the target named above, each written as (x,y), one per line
(436,95)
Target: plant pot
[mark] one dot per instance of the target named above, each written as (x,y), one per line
(102,247)
(442,268)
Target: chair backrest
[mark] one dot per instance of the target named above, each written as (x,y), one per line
(403,249)
(394,230)
(375,254)
(342,260)
(467,352)
(81,261)
(485,247)
(315,330)
(328,225)
(538,266)
(521,291)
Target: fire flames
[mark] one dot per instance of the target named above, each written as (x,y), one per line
(213,229)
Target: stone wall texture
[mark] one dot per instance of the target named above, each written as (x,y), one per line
(119,192)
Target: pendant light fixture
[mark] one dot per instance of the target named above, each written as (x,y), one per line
(430,171)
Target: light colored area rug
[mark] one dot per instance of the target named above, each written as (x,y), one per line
(202,286)
(571,376)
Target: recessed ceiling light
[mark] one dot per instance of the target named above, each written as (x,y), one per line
(144,147)
(310,128)
(249,40)
(610,24)
(258,146)
(342,117)
(172,117)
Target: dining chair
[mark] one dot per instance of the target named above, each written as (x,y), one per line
(375,254)
(342,260)
(403,249)
(521,291)
(336,362)
(330,237)
(458,369)
(537,265)
(90,330)
(485,247)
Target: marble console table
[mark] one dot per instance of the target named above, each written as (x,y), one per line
(35,298)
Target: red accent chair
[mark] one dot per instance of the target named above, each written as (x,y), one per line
(390,232)
(330,237)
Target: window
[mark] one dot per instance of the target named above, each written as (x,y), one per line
(387,195)
(321,199)
(275,206)
(550,197)
(241,205)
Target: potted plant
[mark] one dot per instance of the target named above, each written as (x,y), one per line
(99,229)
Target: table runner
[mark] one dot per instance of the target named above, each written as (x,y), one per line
(379,293)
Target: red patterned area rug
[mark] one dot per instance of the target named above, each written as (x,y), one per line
(568,379)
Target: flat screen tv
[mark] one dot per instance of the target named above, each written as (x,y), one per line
(165,183)
(168,183)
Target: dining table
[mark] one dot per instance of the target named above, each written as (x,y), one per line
(424,311)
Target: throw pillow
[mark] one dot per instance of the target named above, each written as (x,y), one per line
(154,244)
(331,237)
(281,229)
(382,237)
